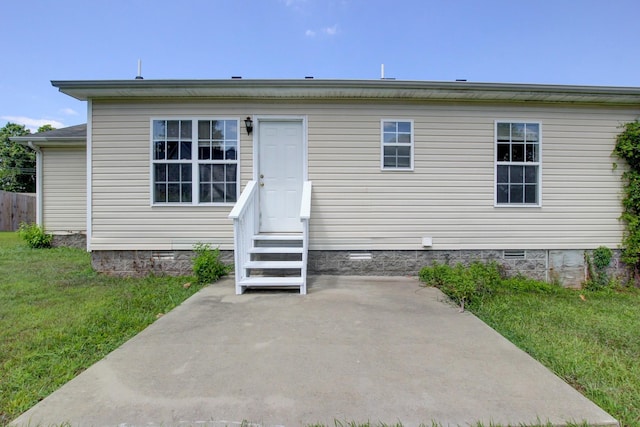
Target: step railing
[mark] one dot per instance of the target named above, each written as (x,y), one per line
(245,226)
(305,216)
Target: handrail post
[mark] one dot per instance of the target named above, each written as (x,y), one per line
(244,223)
(305,216)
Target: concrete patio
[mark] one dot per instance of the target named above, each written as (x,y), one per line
(379,349)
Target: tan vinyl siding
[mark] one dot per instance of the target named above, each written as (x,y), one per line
(449,195)
(64,188)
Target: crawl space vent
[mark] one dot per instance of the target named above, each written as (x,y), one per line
(514,254)
(163,255)
(359,256)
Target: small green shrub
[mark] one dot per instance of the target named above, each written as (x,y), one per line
(488,276)
(207,266)
(461,287)
(520,283)
(597,263)
(471,285)
(464,285)
(34,235)
(436,275)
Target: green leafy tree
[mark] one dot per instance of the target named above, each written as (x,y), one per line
(628,148)
(45,128)
(17,162)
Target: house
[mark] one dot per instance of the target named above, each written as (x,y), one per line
(337,176)
(61,197)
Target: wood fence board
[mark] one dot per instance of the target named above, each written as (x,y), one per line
(16,208)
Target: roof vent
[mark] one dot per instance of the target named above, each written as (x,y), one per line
(139,75)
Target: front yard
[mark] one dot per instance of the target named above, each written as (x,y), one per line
(589,339)
(58,317)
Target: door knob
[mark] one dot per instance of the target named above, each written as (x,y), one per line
(262,184)
(261,176)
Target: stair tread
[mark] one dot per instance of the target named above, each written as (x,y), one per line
(277,236)
(273,264)
(275,250)
(257,281)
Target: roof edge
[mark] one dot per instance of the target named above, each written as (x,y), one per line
(68,136)
(345,89)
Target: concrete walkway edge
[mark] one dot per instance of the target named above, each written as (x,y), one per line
(379,349)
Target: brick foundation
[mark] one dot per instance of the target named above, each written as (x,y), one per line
(393,263)
(73,240)
(563,266)
(141,263)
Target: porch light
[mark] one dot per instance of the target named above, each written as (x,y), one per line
(249,125)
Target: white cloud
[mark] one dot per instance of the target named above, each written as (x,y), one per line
(69,112)
(32,124)
(331,31)
(327,31)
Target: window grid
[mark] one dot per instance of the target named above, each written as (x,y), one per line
(517,163)
(184,172)
(172,153)
(217,157)
(397,145)
(172,183)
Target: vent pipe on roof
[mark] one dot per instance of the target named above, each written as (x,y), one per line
(139,75)
(382,77)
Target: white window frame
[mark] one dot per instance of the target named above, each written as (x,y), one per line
(537,163)
(194,161)
(397,144)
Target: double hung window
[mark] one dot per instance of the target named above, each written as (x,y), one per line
(397,145)
(194,161)
(517,163)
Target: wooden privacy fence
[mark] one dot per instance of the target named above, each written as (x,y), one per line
(16,208)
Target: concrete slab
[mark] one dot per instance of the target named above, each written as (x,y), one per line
(379,349)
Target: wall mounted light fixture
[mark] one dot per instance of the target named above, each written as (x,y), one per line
(249,125)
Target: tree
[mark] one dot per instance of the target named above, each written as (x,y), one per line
(628,148)
(17,162)
(45,128)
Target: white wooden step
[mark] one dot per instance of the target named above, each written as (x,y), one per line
(283,237)
(275,250)
(271,281)
(273,264)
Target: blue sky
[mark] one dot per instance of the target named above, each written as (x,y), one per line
(583,42)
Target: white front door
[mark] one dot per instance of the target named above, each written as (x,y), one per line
(280,175)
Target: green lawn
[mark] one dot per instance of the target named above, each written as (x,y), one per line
(592,343)
(58,317)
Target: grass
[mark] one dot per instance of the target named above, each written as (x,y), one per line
(58,317)
(590,339)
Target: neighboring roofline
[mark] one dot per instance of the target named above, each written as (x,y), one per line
(347,90)
(56,137)
(54,143)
